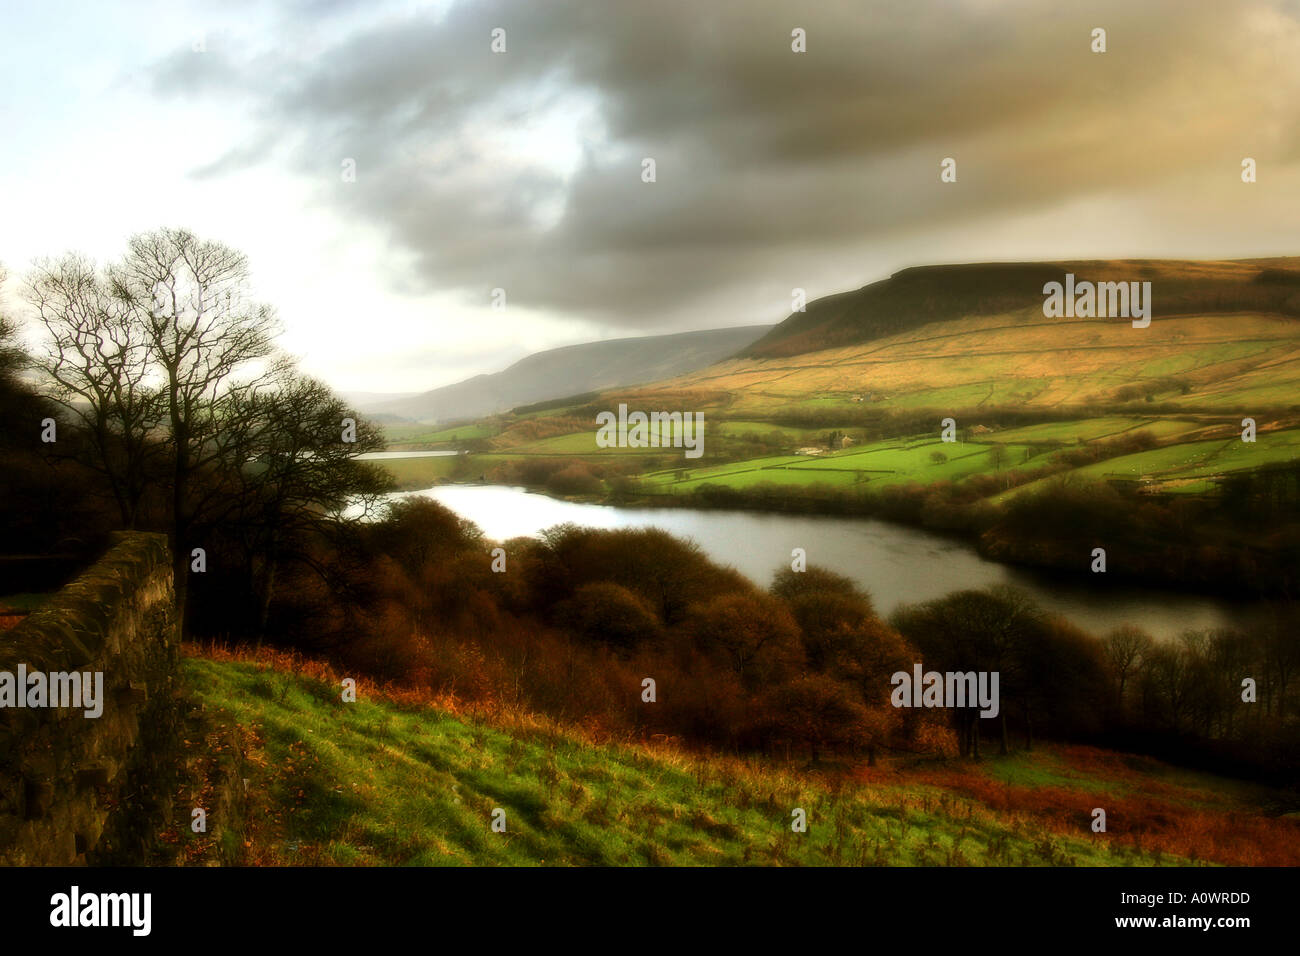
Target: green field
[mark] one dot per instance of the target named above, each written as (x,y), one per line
(374,783)
(1095,429)
(22,601)
(414,473)
(1187,467)
(892,462)
(1186,462)
(577,443)
(417,434)
(739,428)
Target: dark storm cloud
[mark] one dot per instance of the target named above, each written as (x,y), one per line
(768,161)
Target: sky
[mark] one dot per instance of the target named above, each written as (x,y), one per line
(522,170)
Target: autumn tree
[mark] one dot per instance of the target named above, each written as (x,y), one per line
(817,713)
(845,640)
(754,633)
(670,573)
(607,613)
(975,631)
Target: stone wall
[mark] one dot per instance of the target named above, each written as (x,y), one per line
(77,789)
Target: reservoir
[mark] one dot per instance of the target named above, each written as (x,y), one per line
(896,564)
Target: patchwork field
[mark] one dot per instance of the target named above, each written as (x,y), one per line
(1189,467)
(897,461)
(1185,463)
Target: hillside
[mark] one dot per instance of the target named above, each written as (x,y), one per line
(929,294)
(1029,384)
(571,370)
(392,780)
(1248,360)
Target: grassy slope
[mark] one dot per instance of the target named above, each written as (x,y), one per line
(1228,361)
(377,782)
(939,293)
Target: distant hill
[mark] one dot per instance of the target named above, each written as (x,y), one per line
(569,370)
(1225,335)
(927,294)
(370,399)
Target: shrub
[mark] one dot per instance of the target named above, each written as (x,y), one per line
(608,613)
(576,479)
(753,633)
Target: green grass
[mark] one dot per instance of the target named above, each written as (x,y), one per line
(417,434)
(1187,467)
(375,783)
(960,396)
(879,464)
(23,601)
(577,443)
(1094,429)
(1184,467)
(750,479)
(739,428)
(415,473)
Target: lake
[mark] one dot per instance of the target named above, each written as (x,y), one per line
(895,563)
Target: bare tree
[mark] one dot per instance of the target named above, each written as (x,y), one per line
(172,370)
(12,356)
(201,329)
(98,366)
(1126,648)
(1281,654)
